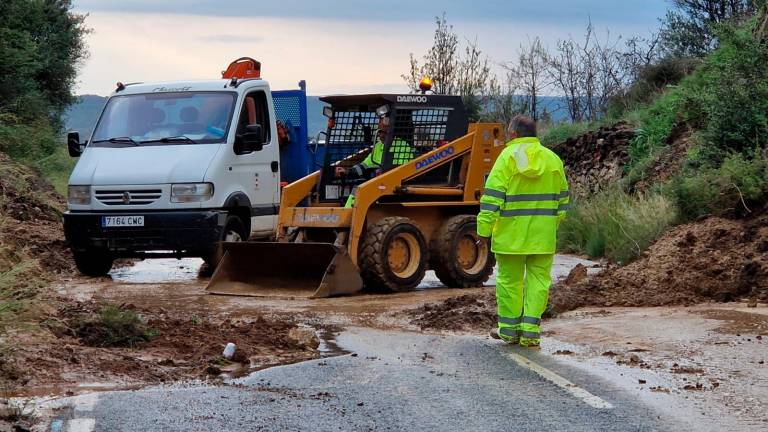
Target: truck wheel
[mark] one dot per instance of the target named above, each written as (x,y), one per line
(234,231)
(393,255)
(458,261)
(93,263)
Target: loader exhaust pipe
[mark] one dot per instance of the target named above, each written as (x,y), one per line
(260,269)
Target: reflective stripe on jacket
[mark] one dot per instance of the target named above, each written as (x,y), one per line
(525,198)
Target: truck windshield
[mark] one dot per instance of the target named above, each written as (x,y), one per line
(165,118)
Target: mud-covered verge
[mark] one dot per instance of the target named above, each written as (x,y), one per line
(30,224)
(715,259)
(67,355)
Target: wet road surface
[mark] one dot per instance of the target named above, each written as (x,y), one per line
(388,381)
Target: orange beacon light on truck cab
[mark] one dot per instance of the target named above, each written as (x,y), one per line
(242,68)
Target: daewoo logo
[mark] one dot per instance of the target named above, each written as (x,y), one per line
(417,99)
(442,154)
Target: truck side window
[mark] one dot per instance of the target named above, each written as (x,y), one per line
(256,111)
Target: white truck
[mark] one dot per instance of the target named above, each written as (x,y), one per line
(172,169)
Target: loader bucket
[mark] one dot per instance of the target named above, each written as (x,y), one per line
(257,269)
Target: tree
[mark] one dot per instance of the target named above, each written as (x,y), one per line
(531,73)
(504,102)
(468,75)
(689,29)
(566,70)
(41,46)
(440,63)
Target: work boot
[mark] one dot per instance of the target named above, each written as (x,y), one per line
(530,342)
(494,333)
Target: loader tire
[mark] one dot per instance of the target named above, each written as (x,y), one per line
(93,263)
(456,258)
(393,255)
(234,230)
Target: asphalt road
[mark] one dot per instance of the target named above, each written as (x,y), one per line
(390,381)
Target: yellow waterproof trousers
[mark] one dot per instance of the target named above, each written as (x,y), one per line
(522,291)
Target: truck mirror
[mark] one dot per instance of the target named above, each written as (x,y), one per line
(250,140)
(73,144)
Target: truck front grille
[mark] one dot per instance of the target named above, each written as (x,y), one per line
(128,197)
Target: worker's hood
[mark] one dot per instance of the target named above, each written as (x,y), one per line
(528,155)
(165,164)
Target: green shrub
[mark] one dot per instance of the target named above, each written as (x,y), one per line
(651,82)
(735,188)
(114,326)
(656,124)
(616,225)
(727,98)
(27,142)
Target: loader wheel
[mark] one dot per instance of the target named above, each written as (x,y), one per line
(393,255)
(93,262)
(234,231)
(458,261)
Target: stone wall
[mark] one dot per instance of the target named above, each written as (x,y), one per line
(596,158)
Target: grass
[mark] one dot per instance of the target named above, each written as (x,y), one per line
(114,326)
(56,169)
(616,225)
(561,132)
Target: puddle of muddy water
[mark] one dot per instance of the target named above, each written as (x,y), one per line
(161,270)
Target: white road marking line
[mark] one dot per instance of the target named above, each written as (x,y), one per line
(81,425)
(561,382)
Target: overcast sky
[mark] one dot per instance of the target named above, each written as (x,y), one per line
(338,46)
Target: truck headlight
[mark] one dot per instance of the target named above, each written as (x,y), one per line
(191,192)
(79,195)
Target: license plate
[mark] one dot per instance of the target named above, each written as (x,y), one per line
(122,221)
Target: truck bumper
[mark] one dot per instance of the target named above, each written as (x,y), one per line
(175,233)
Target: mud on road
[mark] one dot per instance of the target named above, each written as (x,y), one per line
(186,329)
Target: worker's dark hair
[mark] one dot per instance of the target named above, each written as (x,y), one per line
(524,126)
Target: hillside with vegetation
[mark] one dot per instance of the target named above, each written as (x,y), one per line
(41,44)
(664,144)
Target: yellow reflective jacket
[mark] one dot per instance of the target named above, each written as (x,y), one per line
(525,198)
(401,151)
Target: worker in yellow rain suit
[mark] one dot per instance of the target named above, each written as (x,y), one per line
(402,152)
(525,199)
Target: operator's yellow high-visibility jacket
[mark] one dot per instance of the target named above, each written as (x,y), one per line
(401,151)
(525,198)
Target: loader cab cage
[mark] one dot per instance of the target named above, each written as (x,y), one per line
(418,124)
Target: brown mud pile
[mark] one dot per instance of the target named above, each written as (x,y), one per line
(30,221)
(472,312)
(180,347)
(711,260)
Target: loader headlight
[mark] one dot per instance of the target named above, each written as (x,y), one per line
(79,195)
(191,192)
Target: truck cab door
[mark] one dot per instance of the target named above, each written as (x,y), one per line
(258,171)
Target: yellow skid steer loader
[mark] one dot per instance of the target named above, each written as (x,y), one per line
(400,199)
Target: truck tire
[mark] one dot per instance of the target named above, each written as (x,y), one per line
(456,258)
(234,231)
(393,255)
(93,263)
